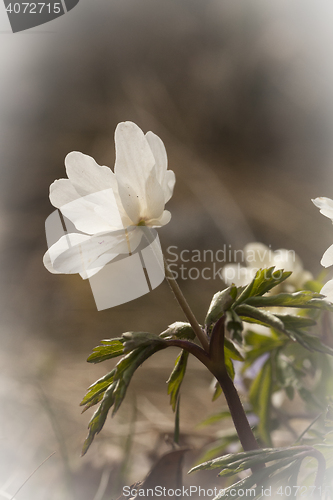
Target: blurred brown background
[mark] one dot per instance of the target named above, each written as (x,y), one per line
(240,93)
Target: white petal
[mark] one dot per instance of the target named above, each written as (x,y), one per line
(63,244)
(62,192)
(240,276)
(130,201)
(158,149)
(325,205)
(287,260)
(154,199)
(94,213)
(161,221)
(165,177)
(327,259)
(75,253)
(86,175)
(47,261)
(328,290)
(78,253)
(258,255)
(168,184)
(98,265)
(126,247)
(134,162)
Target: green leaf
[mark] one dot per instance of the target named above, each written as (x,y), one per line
(231,351)
(286,324)
(109,349)
(116,392)
(221,301)
(217,391)
(257,344)
(234,325)
(291,322)
(97,422)
(264,280)
(96,391)
(268,279)
(297,299)
(132,340)
(260,398)
(229,367)
(311,342)
(283,471)
(237,462)
(176,378)
(126,368)
(179,330)
(321,304)
(253,315)
(263,474)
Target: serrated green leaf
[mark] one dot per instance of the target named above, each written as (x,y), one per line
(108,350)
(297,299)
(260,399)
(176,378)
(285,324)
(244,460)
(179,330)
(264,343)
(321,304)
(291,322)
(281,463)
(97,389)
(126,367)
(264,280)
(252,314)
(311,342)
(217,391)
(116,392)
(269,279)
(229,367)
(231,351)
(97,422)
(221,301)
(234,325)
(275,474)
(133,340)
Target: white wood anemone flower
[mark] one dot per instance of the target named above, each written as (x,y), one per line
(107,208)
(325,206)
(257,256)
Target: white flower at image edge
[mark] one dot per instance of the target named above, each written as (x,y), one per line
(107,207)
(257,256)
(326,208)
